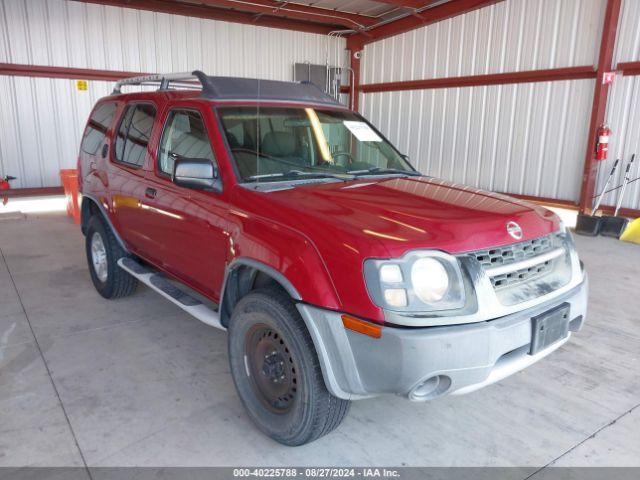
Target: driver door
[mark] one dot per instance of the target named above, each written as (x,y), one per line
(189,225)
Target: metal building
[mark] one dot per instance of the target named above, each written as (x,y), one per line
(338,275)
(502,95)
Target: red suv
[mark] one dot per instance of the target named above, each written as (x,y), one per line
(340,272)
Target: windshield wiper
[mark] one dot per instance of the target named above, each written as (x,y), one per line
(382,171)
(300,173)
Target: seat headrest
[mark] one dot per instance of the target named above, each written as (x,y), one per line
(233,140)
(279,144)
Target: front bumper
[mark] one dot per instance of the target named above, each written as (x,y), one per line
(424,363)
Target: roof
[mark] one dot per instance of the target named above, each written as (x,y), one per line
(235,88)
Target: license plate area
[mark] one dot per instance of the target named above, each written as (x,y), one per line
(549,327)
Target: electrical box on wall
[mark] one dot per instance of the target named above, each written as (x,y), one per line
(327,79)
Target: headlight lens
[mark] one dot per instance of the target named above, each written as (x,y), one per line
(396,297)
(421,281)
(390,273)
(430,280)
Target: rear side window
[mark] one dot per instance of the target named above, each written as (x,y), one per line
(134,133)
(97,127)
(184,136)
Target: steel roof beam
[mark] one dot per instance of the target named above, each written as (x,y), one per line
(295,11)
(213,13)
(421,18)
(407,3)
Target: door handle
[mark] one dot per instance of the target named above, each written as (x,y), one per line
(105,150)
(150,193)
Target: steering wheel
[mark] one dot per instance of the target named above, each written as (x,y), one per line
(345,154)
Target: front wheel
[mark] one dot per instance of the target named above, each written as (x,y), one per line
(276,370)
(103,253)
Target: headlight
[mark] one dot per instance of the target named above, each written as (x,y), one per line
(421,281)
(430,280)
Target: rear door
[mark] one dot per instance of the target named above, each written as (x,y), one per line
(188,227)
(95,147)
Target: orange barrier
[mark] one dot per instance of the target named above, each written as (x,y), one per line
(69,179)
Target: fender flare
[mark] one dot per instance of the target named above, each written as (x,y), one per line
(90,199)
(225,309)
(272,272)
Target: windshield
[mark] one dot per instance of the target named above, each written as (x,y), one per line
(274,143)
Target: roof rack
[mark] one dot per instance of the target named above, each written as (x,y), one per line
(163,80)
(234,88)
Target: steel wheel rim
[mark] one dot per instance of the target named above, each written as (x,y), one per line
(99,257)
(271,368)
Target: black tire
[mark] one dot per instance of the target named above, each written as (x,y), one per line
(117,283)
(307,410)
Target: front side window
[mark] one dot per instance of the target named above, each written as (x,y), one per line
(272,142)
(97,127)
(184,136)
(134,133)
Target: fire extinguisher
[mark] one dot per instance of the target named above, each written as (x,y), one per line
(602,143)
(4,185)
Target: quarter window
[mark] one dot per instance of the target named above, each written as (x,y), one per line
(97,127)
(184,136)
(134,133)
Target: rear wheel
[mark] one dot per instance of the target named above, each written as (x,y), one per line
(276,370)
(103,253)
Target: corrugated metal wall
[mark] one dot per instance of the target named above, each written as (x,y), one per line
(41,120)
(623,110)
(628,40)
(623,116)
(525,139)
(510,36)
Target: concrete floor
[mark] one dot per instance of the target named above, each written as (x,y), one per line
(136,382)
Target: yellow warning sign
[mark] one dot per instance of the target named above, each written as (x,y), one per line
(82,85)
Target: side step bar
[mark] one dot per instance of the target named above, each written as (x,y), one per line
(158,282)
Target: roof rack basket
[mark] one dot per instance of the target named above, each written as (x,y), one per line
(164,80)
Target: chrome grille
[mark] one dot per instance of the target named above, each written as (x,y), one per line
(513,253)
(522,275)
(517,252)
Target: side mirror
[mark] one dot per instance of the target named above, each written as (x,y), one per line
(198,173)
(405,156)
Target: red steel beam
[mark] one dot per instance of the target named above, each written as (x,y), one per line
(605,59)
(32,192)
(354,46)
(426,17)
(407,3)
(297,11)
(234,16)
(554,74)
(629,68)
(44,71)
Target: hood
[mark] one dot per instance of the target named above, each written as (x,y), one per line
(389,216)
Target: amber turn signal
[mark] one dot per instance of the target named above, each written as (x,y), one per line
(361,326)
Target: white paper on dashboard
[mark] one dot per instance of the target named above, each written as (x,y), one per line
(362,131)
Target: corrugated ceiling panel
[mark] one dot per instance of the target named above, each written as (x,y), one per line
(514,35)
(526,139)
(43,119)
(623,116)
(628,41)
